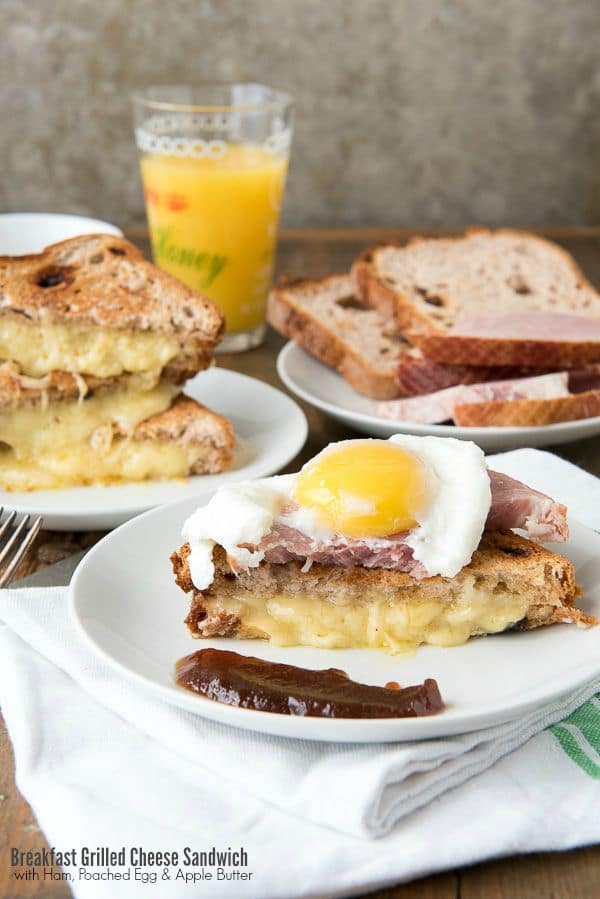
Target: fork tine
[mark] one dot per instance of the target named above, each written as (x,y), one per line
(16,535)
(7,523)
(7,575)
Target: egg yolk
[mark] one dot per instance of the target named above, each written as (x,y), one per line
(364,489)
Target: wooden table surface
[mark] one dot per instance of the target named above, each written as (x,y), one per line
(564,875)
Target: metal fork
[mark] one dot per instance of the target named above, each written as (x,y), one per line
(14,547)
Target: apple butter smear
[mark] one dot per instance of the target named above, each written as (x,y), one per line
(251,683)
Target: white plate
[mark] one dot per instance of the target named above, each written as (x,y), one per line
(271,430)
(324,388)
(30,232)
(125,603)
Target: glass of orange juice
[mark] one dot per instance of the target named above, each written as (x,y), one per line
(214,160)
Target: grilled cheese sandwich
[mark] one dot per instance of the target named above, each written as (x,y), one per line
(510,583)
(94,342)
(377,544)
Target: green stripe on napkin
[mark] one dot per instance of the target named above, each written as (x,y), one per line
(579,736)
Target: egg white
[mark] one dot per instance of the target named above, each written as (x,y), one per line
(460,496)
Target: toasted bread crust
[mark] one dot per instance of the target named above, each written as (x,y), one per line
(547,579)
(328,344)
(188,422)
(104,281)
(465,350)
(374,291)
(528,413)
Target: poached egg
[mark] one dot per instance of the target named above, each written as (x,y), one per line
(435,490)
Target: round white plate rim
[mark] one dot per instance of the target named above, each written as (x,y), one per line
(326,730)
(26,503)
(67,225)
(364,419)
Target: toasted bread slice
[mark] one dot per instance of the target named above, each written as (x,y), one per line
(325,317)
(510,582)
(430,283)
(434,286)
(110,437)
(528,412)
(93,305)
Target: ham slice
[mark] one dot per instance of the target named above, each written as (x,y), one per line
(437,407)
(554,327)
(284,544)
(514,505)
(584,379)
(417,376)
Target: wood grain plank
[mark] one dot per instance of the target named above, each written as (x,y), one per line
(19,829)
(557,875)
(139,234)
(440,886)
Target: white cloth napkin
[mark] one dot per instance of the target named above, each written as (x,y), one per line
(103,764)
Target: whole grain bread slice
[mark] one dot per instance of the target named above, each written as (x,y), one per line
(504,561)
(326,319)
(431,285)
(528,413)
(103,281)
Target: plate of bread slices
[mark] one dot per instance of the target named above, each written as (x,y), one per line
(389,590)
(493,336)
(108,403)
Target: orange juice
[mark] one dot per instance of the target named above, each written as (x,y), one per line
(213,224)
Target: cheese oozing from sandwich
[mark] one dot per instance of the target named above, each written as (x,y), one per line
(435,491)
(90,441)
(40,348)
(33,432)
(291,619)
(121,459)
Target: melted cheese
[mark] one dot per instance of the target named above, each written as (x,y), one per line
(36,431)
(121,460)
(42,348)
(397,627)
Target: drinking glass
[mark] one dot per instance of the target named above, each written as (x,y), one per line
(213,160)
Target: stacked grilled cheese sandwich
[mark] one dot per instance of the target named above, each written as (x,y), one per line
(95,343)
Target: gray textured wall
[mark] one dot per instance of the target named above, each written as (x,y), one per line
(409,112)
